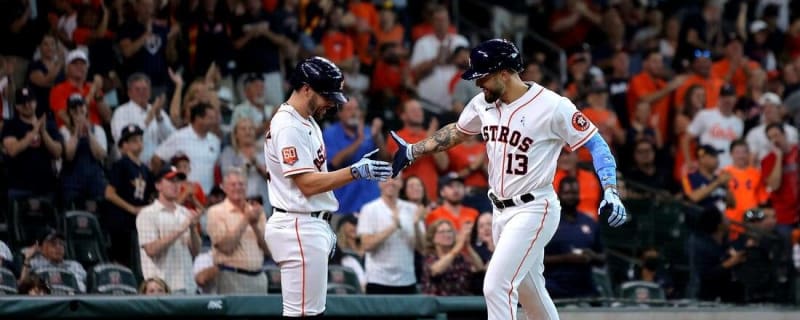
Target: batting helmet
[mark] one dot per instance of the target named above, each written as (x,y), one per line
(322,76)
(492,56)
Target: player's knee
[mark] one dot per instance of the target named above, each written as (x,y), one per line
(494,288)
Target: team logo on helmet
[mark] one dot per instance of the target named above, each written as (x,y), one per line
(579,121)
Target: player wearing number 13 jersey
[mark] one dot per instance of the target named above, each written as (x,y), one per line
(525,126)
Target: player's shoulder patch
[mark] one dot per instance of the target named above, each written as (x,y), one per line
(579,121)
(289,155)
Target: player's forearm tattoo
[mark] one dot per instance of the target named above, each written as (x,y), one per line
(441,140)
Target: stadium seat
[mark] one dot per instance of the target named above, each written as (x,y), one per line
(341,288)
(343,275)
(30,217)
(111,278)
(8,282)
(641,291)
(85,241)
(602,283)
(273,273)
(60,280)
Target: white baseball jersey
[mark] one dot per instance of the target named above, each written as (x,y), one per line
(714,129)
(294,145)
(525,137)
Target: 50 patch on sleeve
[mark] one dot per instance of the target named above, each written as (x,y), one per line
(289,155)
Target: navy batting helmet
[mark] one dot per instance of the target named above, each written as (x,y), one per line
(492,56)
(321,75)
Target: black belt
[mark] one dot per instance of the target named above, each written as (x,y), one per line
(324,215)
(246,272)
(507,203)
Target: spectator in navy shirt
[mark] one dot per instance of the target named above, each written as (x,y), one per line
(148,45)
(703,187)
(574,249)
(346,141)
(31,145)
(258,41)
(128,190)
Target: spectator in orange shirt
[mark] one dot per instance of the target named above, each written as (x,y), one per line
(190,193)
(745,184)
(650,87)
(735,68)
(337,46)
(701,74)
(77,69)
(388,29)
(427,167)
(390,80)
(589,185)
(469,161)
(603,117)
(451,189)
(365,26)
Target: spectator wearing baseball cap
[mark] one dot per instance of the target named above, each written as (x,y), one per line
(451,191)
(758,45)
(700,74)
(773,111)
(703,186)
(253,106)
(77,69)
(85,148)
(128,190)
(168,237)
(49,252)
(31,145)
(190,193)
(735,67)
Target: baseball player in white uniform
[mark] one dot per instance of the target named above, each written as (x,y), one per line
(525,126)
(300,187)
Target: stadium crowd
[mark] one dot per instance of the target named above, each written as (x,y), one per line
(150,115)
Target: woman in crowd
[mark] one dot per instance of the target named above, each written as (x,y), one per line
(448,267)
(245,152)
(85,150)
(154,287)
(46,71)
(694,101)
(349,252)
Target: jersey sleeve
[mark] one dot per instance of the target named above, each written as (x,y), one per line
(571,125)
(293,148)
(469,121)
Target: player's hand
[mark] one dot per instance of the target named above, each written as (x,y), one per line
(613,205)
(403,157)
(369,169)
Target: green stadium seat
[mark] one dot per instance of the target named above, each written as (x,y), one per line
(60,280)
(85,240)
(602,283)
(30,217)
(641,291)
(112,278)
(273,273)
(8,282)
(343,275)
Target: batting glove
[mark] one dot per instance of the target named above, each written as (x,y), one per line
(369,169)
(613,206)
(403,157)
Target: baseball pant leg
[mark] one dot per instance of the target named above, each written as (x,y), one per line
(524,232)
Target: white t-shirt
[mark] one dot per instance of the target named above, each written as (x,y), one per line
(392,262)
(173,265)
(154,133)
(5,252)
(759,143)
(525,137)
(294,145)
(714,129)
(434,86)
(203,153)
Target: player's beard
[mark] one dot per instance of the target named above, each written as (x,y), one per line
(318,108)
(492,94)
